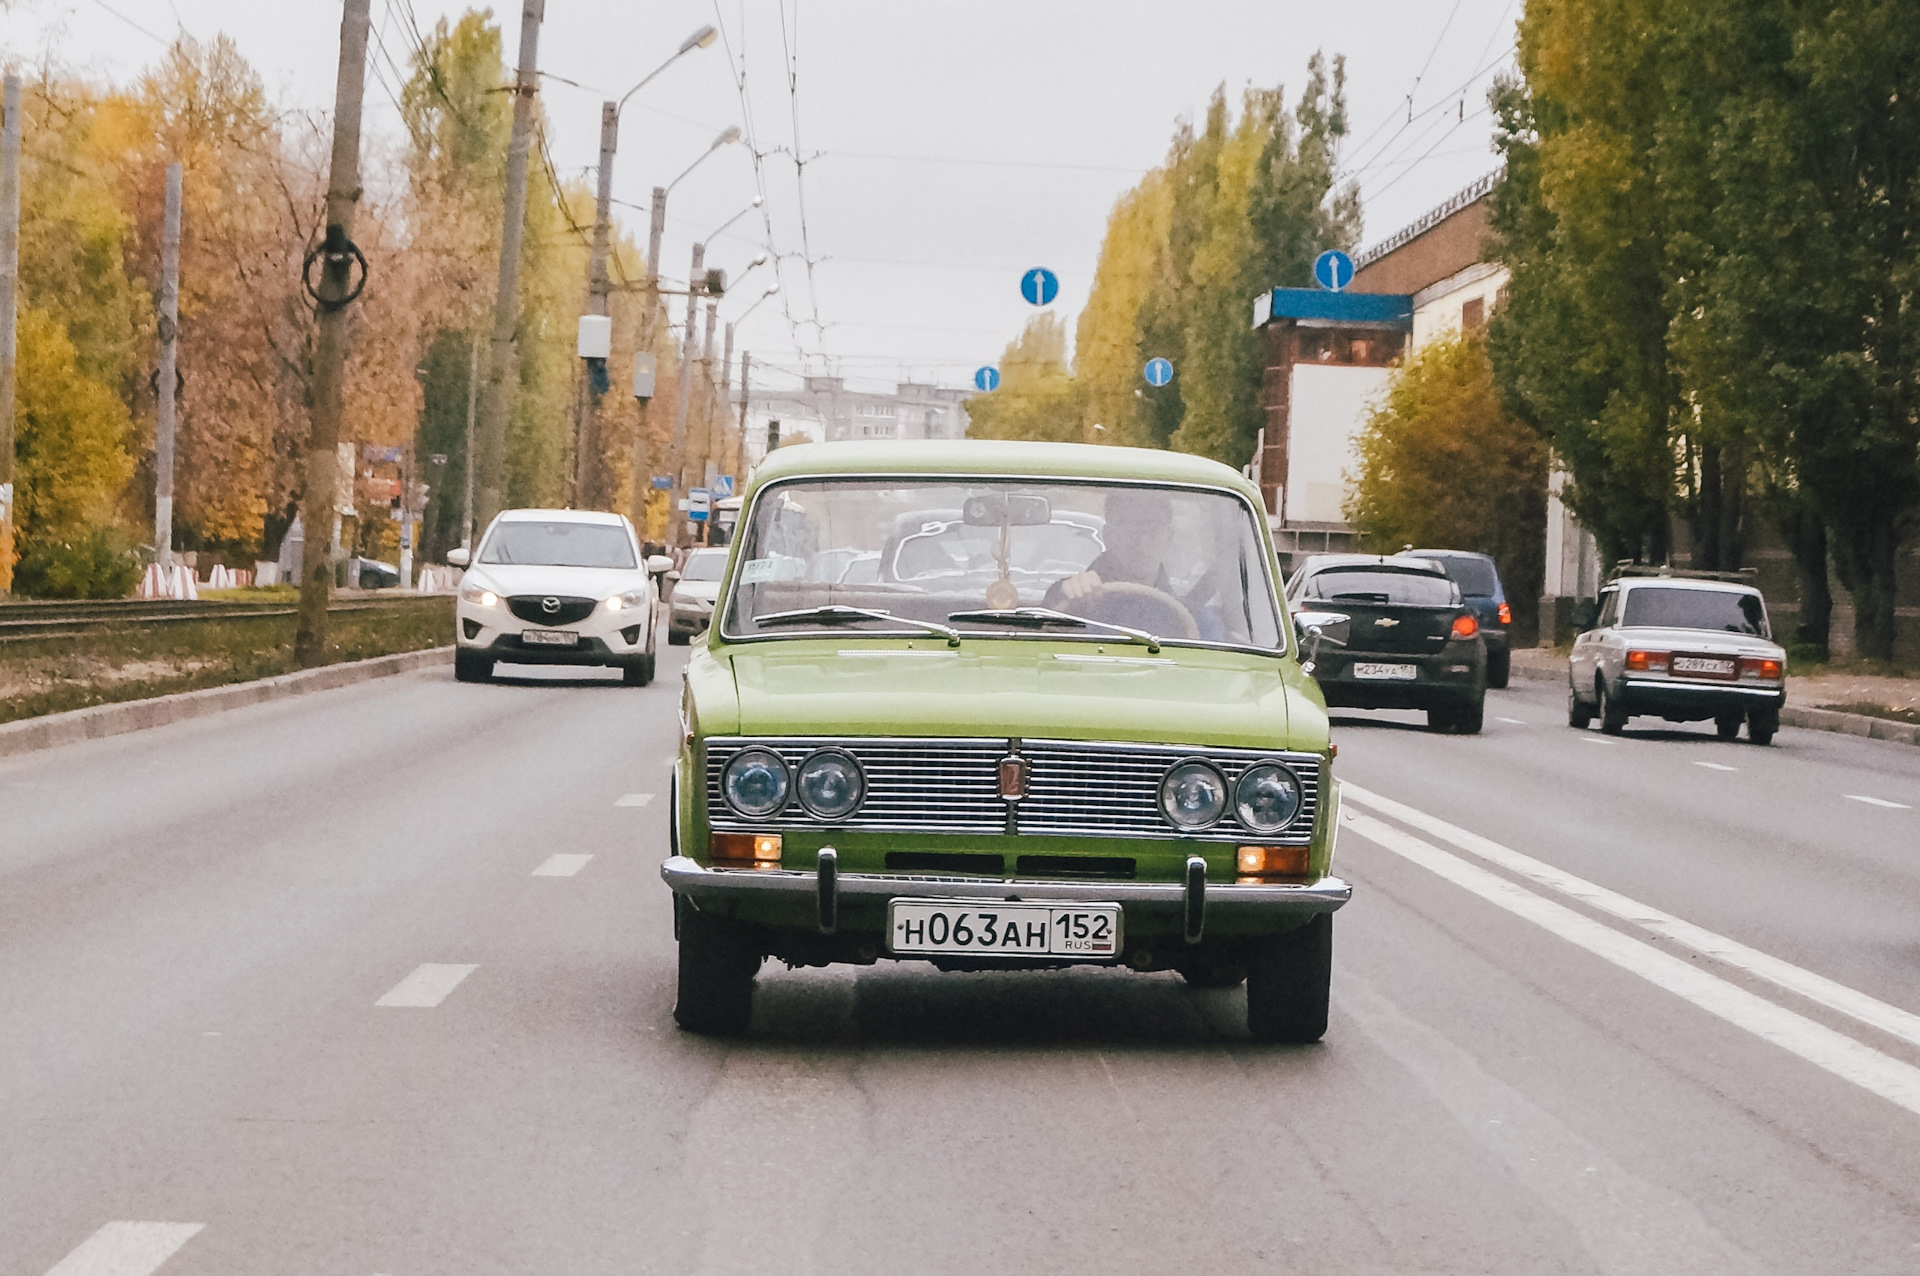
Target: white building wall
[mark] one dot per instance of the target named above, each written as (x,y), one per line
(1439,310)
(1336,398)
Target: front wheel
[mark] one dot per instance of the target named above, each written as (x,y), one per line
(1761,724)
(717,964)
(639,673)
(1288,984)
(1613,714)
(471,666)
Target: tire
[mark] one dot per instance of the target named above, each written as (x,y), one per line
(1441,718)
(1761,724)
(677,639)
(639,673)
(1499,669)
(1213,970)
(717,965)
(1288,983)
(1579,715)
(1727,726)
(471,666)
(1613,717)
(1471,716)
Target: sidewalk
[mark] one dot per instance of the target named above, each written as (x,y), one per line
(1825,702)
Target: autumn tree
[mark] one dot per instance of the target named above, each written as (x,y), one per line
(1038,396)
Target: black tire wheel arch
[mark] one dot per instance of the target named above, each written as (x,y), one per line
(1762,724)
(1579,715)
(1499,669)
(1288,984)
(1613,719)
(718,962)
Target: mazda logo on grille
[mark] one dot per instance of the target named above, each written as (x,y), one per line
(549,605)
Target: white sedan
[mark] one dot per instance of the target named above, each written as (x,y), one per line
(557,587)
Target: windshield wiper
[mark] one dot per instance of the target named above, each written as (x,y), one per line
(836,614)
(1041,617)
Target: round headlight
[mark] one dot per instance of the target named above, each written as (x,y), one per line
(755,783)
(830,784)
(1193,795)
(1267,797)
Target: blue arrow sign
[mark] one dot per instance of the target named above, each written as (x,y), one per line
(987,378)
(723,484)
(1040,286)
(1333,270)
(1158,372)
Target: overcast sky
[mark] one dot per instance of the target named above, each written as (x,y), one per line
(950,144)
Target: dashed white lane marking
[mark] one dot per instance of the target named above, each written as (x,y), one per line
(126,1249)
(562,865)
(1717,766)
(1874,801)
(1594,739)
(1817,988)
(426,987)
(633,799)
(1835,1053)
(1518,722)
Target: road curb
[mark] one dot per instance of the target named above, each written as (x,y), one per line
(1802,716)
(100,721)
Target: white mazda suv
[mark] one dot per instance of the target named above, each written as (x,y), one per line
(557,587)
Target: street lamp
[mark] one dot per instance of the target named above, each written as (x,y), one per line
(770,292)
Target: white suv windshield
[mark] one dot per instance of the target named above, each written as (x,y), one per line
(559,544)
(991,557)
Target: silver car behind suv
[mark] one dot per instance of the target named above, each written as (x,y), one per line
(1685,647)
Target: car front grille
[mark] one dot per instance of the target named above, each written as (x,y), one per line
(532,608)
(1074,788)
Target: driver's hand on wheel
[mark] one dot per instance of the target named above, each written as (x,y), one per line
(1076,587)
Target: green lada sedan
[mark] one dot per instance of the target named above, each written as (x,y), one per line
(1002,706)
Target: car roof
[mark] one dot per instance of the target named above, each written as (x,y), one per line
(1393,562)
(1447,553)
(1681,582)
(995,457)
(560,516)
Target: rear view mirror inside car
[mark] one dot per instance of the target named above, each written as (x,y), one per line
(1006,509)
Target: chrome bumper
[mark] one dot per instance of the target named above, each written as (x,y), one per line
(1194,899)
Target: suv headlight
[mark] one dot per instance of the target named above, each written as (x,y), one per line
(479,595)
(1194,795)
(755,783)
(830,784)
(1267,797)
(632,600)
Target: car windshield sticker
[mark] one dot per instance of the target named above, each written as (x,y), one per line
(757,570)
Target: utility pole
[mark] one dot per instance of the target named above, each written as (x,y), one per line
(642,463)
(676,519)
(337,256)
(740,439)
(502,361)
(473,402)
(165,406)
(599,286)
(717,451)
(698,467)
(9,281)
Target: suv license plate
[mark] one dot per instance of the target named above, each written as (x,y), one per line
(550,638)
(1703,666)
(1014,930)
(1389,673)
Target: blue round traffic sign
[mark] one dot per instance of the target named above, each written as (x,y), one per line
(1333,270)
(1040,286)
(1158,372)
(987,378)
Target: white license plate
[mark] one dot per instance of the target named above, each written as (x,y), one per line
(550,638)
(983,928)
(1703,666)
(1388,673)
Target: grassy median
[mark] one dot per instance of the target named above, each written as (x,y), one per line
(119,661)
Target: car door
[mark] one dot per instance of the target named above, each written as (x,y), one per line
(1588,646)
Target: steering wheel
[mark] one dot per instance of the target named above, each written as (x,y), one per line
(1126,595)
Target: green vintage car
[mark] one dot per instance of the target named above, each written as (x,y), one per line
(1003,706)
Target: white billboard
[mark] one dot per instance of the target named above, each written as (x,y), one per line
(1327,406)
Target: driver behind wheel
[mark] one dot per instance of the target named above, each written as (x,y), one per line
(1138,533)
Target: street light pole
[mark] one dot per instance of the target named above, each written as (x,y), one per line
(685,389)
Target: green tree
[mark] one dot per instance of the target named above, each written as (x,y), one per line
(70,458)
(1038,396)
(1443,463)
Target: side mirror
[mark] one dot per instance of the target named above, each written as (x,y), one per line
(1320,627)
(459,557)
(656,564)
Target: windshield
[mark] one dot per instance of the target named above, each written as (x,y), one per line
(705,564)
(1720,609)
(1381,585)
(559,544)
(1185,566)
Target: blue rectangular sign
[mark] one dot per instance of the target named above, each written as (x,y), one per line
(663,482)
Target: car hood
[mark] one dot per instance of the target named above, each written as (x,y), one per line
(705,591)
(1037,688)
(579,582)
(1706,640)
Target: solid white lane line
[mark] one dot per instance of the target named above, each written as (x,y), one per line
(633,799)
(562,865)
(1874,801)
(1594,739)
(1717,766)
(126,1249)
(1518,722)
(1836,1053)
(1817,988)
(426,987)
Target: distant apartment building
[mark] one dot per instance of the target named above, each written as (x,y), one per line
(824,409)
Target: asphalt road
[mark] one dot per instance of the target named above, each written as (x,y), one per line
(1641,1006)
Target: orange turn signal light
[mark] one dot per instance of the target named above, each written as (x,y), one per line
(744,850)
(1264,863)
(1465,626)
(1647,661)
(1759,667)
(1506,614)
